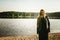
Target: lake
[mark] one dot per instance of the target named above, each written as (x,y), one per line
(25,26)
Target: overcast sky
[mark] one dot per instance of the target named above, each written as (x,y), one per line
(30,5)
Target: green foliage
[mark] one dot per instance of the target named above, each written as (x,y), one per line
(12,14)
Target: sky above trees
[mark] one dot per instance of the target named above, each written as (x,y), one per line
(30,5)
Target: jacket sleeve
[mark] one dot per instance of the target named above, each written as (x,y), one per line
(48,25)
(37,26)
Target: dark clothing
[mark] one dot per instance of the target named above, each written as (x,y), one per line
(43,27)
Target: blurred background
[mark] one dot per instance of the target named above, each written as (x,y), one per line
(19,17)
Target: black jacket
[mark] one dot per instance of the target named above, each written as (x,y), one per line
(42,24)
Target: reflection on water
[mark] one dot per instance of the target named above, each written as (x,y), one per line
(55,25)
(24,26)
(17,26)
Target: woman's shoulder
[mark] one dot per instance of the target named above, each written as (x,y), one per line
(46,16)
(39,18)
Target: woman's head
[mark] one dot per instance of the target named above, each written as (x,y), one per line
(42,13)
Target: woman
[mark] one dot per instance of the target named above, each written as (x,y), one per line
(43,25)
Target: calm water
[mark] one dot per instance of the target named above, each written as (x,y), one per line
(24,26)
